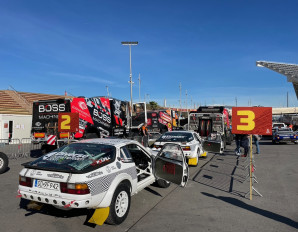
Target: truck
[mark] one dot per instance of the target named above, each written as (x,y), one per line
(99,117)
(207,120)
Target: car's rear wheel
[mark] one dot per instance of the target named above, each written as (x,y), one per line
(3,162)
(120,205)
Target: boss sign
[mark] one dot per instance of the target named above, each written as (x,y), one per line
(252,120)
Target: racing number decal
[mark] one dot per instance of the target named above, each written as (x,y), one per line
(68,122)
(249,120)
(65,123)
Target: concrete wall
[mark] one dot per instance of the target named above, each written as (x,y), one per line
(21,125)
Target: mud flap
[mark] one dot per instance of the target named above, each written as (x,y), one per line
(204,155)
(100,216)
(193,161)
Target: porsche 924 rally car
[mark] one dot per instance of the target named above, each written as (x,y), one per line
(189,141)
(100,174)
(284,135)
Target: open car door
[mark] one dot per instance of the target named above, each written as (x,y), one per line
(170,165)
(213,143)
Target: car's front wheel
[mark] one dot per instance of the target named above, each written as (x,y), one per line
(120,205)
(3,162)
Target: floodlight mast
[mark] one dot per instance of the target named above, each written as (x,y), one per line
(130,75)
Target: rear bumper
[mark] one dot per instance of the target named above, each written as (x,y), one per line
(56,199)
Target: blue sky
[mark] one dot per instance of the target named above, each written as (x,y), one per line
(211,47)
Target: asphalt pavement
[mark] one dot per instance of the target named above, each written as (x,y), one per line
(213,200)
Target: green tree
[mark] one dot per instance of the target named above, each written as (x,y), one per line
(153,105)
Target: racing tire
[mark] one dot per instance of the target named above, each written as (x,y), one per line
(163,183)
(120,205)
(3,162)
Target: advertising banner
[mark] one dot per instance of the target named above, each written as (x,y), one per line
(252,120)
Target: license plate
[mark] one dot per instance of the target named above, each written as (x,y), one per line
(46,185)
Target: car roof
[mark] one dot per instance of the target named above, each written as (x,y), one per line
(117,142)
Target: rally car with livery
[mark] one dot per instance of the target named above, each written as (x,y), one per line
(284,135)
(100,174)
(190,142)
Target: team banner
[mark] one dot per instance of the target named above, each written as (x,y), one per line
(252,120)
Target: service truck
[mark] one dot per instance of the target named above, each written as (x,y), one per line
(98,117)
(207,120)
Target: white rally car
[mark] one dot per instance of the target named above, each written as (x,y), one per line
(189,141)
(100,174)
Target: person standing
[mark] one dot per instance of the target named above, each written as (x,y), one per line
(238,143)
(144,132)
(256,139)
(245,144)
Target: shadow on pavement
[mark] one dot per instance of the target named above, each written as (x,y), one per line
(52,211)
(265,213)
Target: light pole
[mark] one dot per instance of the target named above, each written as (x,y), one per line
(139,87)
(130,75)
(107,90)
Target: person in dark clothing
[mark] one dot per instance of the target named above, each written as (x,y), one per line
(145,135)
(242,141)
(245,144)
(238,143)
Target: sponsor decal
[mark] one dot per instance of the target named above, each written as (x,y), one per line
(117,105)
(93,174)
(118,164)
(55,175)
(38,173)
(53,116)
(64,156)
(101,161)
(32,173)
(45,193)
(82,105)
(108,169)
(50,108)
(38,124)
(79,105)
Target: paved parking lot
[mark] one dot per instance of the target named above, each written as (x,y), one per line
(212,201)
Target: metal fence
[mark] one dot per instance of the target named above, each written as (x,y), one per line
(18,148)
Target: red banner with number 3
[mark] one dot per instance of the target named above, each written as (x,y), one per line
(252,120)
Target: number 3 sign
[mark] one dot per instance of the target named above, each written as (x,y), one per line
(252,120)
(68,122)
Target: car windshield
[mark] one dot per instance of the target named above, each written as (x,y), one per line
(278,125)
(176,137)
(284,130)
(76,157)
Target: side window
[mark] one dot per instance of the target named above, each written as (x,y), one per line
(172,151)
(125,155)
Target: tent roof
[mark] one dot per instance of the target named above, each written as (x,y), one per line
(289,70)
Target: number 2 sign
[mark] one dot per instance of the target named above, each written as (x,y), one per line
(252,120)
(68,122)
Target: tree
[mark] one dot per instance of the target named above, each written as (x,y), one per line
(153,105)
